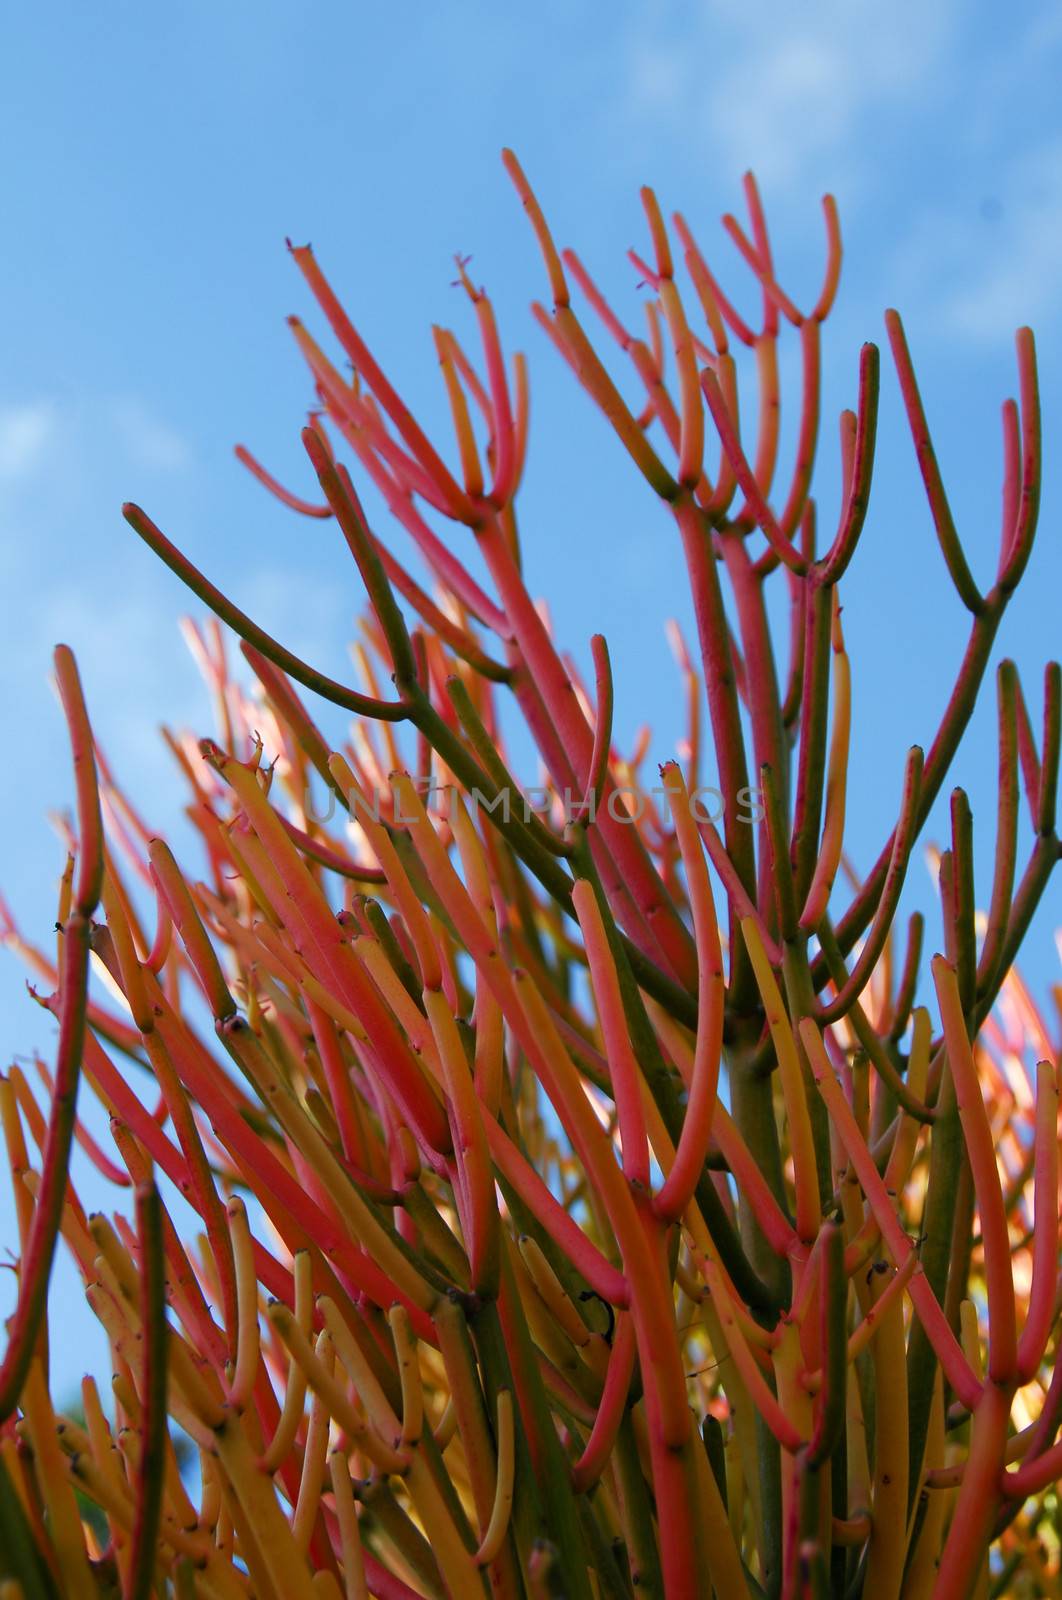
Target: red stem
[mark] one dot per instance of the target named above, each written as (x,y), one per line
(39,1254)
(364,364)
(731,443)
(1041,1309)
(143,1553)
(285,496)
(980,1146)
(620,835)
(614,1399)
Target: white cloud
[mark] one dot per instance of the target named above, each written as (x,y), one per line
(791,91)
(138,673)
(904,110)
(134,665)
(27,428)
(308,617)
(24,432)
(150,442)
(1020,280)
(984,278)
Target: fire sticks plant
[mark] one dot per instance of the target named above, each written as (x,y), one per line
(590,1201)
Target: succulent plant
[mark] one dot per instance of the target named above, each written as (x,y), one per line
(594,1200)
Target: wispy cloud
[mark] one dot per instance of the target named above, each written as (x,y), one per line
(135,667)
(936,131)
(148,440)
(24,432)
(27,428)
(308,616)
(1021,278)
(792,91)
(984,272)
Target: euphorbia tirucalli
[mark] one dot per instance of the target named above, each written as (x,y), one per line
(593,1201)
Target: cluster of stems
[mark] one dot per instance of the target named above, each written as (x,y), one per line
(587,1200)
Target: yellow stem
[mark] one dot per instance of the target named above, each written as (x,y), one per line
(56,1491)
(247,1343)
(887,1550)
(801,1140)
(323,1383)
(254,1500)
(295,1389)
(498,1526)
(308,1503)
(408,1373)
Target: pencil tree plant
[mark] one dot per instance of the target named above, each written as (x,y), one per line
(590,1200)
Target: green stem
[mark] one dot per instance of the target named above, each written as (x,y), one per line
(506,1351)
(946,1155)
(754,1286)
(637,1512)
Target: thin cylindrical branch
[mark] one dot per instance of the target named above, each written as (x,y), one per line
(1044,1287)
(1006,828)
(39,1252)
(776,538)
(836,785)
(294,502)
(1018,540)
(241,624)
(926,1304)
(833,1295)
(903,841)
(939,507)
(857,497)
(89,879)
(692,1149)
(154,1386)
(999,1275)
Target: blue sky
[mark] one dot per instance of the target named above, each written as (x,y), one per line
(155,159)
